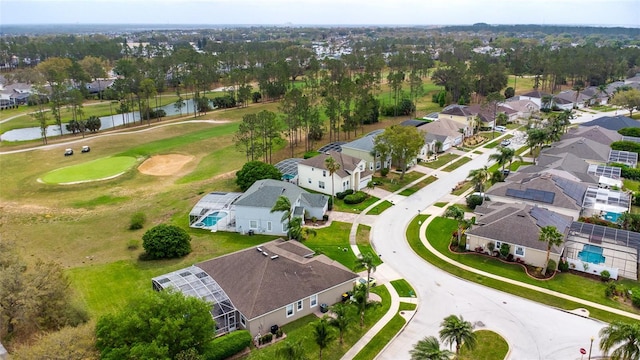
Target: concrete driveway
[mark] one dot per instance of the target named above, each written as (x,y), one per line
(534,331)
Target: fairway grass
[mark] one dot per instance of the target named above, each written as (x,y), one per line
(100,169)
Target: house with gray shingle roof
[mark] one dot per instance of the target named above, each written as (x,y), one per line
(446,131)
(541,189)
(353,173)
(567,166)
(495,223)
(595,133)
(587,149)
(362,148)
(274,283)
(253,208)
(614,123)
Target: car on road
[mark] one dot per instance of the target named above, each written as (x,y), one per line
(501,128)
(505,142)
(363,281)
(68,152)
(86,149)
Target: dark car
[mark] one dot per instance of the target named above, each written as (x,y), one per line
(68,152)
(86,149)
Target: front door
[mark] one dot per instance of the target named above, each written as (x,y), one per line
(232,321)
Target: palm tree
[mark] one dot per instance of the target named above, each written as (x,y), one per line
(535,139)
(366,261)
(343,318)
(578,86)
(283,204)
(332,165)
(322,334)
(547,102)
(456,330)
(455,212)
(477,124)
(550,235)
(624,336)
(478,178)
(505,155)
(291,350)
(438,147)
(502,119)
(429,349)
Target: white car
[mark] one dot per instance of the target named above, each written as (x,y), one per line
(505,142)
(501,128)
(363,281)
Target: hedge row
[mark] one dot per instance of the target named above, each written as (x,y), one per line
(355,198)
(227,345)
(341,195)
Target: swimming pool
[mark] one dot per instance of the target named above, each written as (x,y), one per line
(611,216)
(591,254)
(288,177)
(212,219)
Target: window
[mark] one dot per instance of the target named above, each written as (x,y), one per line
(284,227)
(519,251)
(253,224)
(324,173)
(498,244)
(361,167)
(378,165)
(290,310)
(243,321)
(299,306)
(269,226)
(313,300)
(309,180)
(321,184)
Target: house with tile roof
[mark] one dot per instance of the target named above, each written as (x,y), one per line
(253,213)
(495,223)
(274,283)
(353,173)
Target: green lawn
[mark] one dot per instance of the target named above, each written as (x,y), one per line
(490,346)
(409,191)
(632,185)
(441,161)
(439,235)
(91,170)
(467,185)
(413,238)
(362,240)
(393,183)
(440,204)
(378,209)
(333,241)
(403,288)
(339,205)
(405,306)
(381,339)
(301,331)
(463,160)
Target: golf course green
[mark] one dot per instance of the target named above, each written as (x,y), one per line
(90,171)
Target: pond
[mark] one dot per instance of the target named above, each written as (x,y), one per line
(108,122)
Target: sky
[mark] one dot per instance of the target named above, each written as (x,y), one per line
(321,12)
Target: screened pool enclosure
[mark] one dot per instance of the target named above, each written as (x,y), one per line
(214,212)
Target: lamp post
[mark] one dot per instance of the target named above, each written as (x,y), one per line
(590,347)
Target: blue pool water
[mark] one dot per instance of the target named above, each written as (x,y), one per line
(611,216)
(213,218)
(288,176)
(591,254)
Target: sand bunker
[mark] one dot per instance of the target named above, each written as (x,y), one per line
(163,165)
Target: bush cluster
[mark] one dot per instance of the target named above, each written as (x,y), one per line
(384,171)
(404,107)
(563,265)
(635,132)
(551,266)
(137,221)
(355,198)
(265,339)
(342,194)
(473,201)
(166,242)
(227,345)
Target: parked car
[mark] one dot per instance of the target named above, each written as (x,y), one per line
(86,149)
(68,152)
(363,281)
(501,128)
(505,142)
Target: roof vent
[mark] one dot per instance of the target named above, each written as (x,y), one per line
(265,253)
(274,257)
(259,249)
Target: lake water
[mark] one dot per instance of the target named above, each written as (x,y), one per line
(33,133)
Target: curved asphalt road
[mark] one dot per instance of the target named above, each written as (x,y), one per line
(534,331)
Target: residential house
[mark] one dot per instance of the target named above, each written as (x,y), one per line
(444,130)
(591,151)
(565,165)
(535,96)
(596,133)
(486,113)
(596,96)
(461,115)
(614,123)
(495,223)
(352,174)
(362,148)
(607,204)
(553,192)
(576,99)
(525,108)
(253,209)
(256,288)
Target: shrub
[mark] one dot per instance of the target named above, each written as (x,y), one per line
(473,201)
(462,245)
(342,194)
(384,172)
(635,298)
(605,275)
(491,246)
(166,241)
(355,198)
(610,290)
(227,345)
(329,206)
(635,132)
(133,244)
(137,221)
(504,249)
(265,339)
(563,266)
(551,266)
(279,333)
(310,154)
